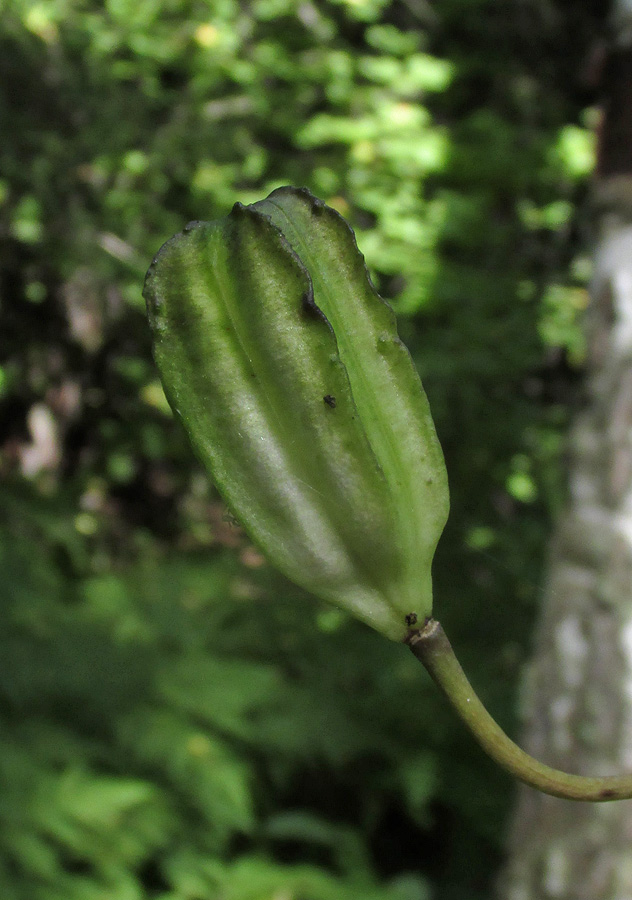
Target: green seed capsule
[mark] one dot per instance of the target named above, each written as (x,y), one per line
(285,368)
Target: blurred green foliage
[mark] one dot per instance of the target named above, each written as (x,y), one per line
(178,722)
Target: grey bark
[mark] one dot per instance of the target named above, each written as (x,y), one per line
(578,694)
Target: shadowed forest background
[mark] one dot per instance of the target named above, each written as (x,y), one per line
(177,721)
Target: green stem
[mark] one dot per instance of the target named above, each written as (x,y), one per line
(431,646)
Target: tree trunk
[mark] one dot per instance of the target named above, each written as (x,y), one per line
(579,693)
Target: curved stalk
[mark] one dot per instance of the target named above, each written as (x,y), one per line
(431,646)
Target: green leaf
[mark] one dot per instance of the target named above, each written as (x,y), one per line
(285,368)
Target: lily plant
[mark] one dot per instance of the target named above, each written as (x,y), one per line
(285,368)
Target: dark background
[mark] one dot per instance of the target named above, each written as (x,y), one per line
(178,722)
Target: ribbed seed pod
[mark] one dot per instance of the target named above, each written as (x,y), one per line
(285,368)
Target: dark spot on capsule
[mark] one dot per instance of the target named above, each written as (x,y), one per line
(411,619)
(307,301)
(329,400)
(309,307)
(607,793)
